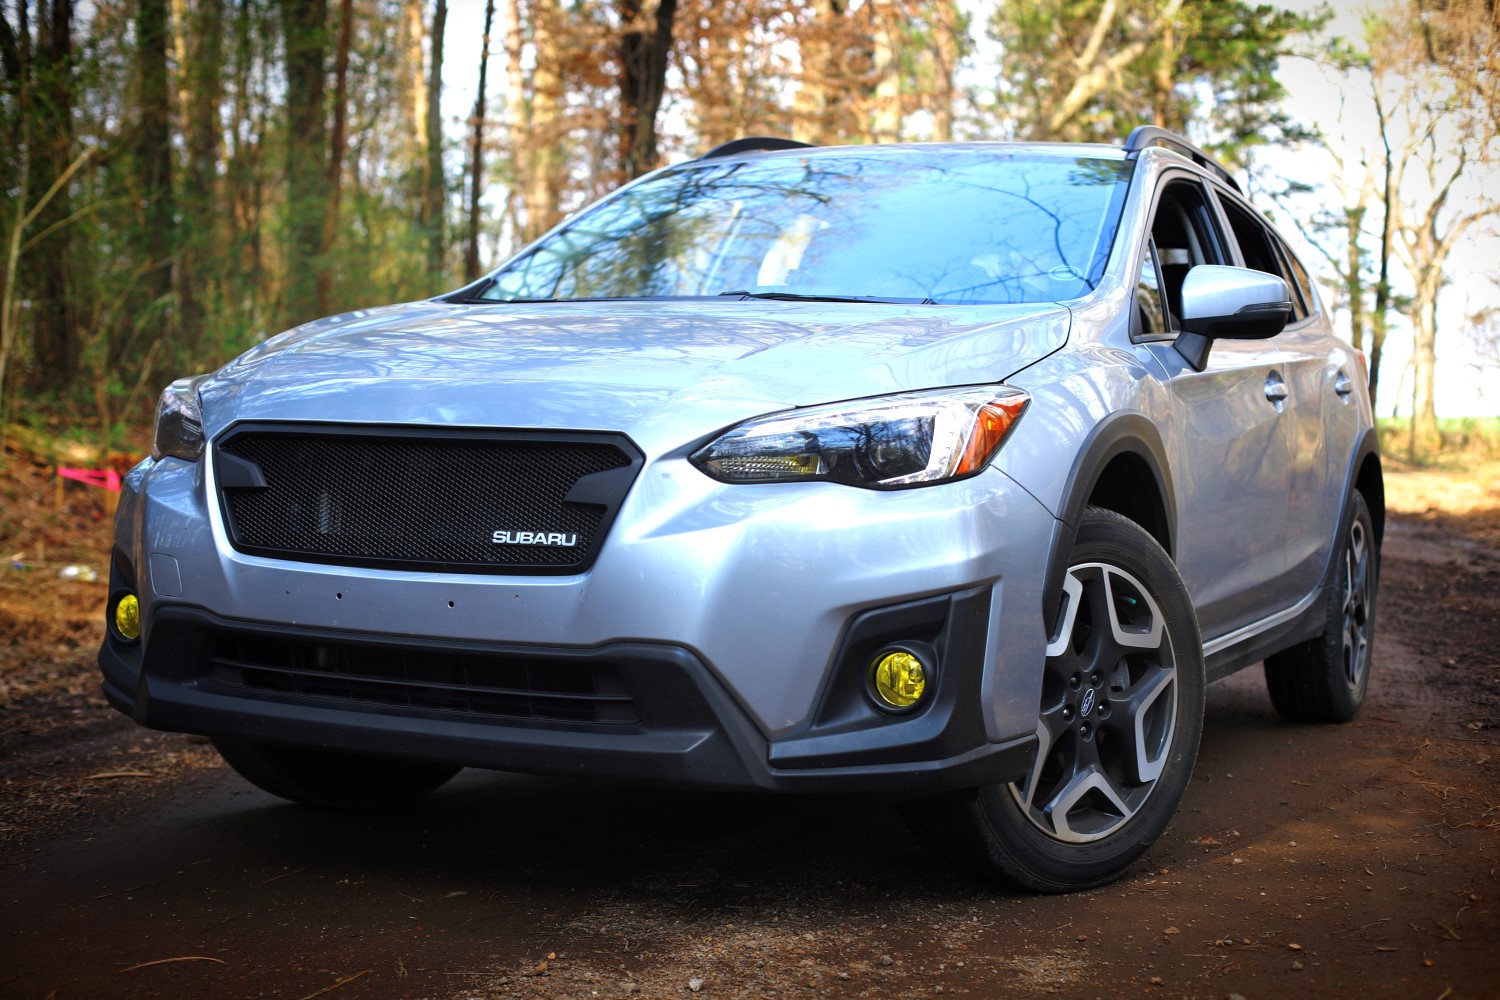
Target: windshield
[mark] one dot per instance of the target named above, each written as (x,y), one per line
(971,225)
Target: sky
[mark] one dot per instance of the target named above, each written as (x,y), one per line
(1317,97)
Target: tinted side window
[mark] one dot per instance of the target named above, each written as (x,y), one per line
(1258,247)
(1303,285)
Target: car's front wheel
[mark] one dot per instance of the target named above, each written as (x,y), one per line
(332,780)
(1118,725)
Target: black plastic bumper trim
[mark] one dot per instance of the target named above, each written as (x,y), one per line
(692,733)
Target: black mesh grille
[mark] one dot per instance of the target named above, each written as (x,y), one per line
(488,686)
(363,499)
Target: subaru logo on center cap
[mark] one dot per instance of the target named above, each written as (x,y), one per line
(1087,705)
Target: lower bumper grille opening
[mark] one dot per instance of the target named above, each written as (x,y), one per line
(485,686)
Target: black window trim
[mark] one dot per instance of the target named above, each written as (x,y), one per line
(1213,221)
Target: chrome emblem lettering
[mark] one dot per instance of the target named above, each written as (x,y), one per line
(553,539)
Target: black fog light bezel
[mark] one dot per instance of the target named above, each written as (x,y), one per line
(925,655)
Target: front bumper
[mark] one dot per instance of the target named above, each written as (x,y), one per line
(678,725)
(739,619)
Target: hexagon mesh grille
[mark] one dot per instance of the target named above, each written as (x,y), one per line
(365,500)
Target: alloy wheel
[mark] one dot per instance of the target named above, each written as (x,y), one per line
(1356,614)
(1108,710)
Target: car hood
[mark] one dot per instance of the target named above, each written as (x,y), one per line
(645,368)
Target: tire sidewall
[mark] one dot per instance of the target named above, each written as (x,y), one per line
(1108,538)
(1346,703)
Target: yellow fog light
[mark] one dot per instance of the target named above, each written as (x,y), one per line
(898,679)
(127,618)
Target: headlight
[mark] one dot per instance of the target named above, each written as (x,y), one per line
(912,439)
(179,423)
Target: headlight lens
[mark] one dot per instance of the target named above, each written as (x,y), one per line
(179,423)
(912,439)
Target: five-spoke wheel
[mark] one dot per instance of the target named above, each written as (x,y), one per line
(1118,724)
(1325,678)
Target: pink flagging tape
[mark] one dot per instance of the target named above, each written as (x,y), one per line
(109,479)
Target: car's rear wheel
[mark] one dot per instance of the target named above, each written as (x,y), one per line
(1325,679)
(332,780)
(1119,719)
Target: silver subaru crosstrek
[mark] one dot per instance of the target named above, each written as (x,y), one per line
(950,473)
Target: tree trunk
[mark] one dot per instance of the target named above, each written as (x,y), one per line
(947,51)
(645,45)
(202,204)
(476,151)
(55,342)
(436,195)
(1425,436)
(337,142)
(150,305)
(1354,285)
(304,26)
(812,119)
(883,124)
(536,115)
(1381,315)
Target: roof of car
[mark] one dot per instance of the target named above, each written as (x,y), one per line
(1141,139)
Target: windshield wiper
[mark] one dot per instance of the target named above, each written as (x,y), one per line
(796,297)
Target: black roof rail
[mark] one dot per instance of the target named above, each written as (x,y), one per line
(753,144)
(1149,136)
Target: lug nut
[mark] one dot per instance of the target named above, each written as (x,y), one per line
(1075,681)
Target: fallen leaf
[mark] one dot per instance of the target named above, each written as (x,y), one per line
(120,774)
(1172,930)
(1294,946)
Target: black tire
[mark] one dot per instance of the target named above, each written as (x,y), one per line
(1119,720)
(1325,679)
(332,780)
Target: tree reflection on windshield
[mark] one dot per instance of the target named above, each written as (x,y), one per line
(974,225)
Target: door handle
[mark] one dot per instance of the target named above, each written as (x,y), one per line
(1343,384)
(1275,389)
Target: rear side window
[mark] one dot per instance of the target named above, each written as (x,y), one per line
(1303,285)
(1259,248)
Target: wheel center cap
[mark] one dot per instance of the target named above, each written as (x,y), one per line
(1086,706)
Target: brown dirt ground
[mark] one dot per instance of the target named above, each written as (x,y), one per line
(1359,860)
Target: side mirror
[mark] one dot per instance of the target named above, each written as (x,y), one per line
(1229,303)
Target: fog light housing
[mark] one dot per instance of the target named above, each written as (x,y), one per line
(126,617)
(899,679)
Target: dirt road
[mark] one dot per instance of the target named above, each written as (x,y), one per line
(1358,860)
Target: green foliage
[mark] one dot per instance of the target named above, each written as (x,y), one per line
(1088,70)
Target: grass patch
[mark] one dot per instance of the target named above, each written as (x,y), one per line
(1466,440)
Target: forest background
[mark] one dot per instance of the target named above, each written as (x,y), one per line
(184,178)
